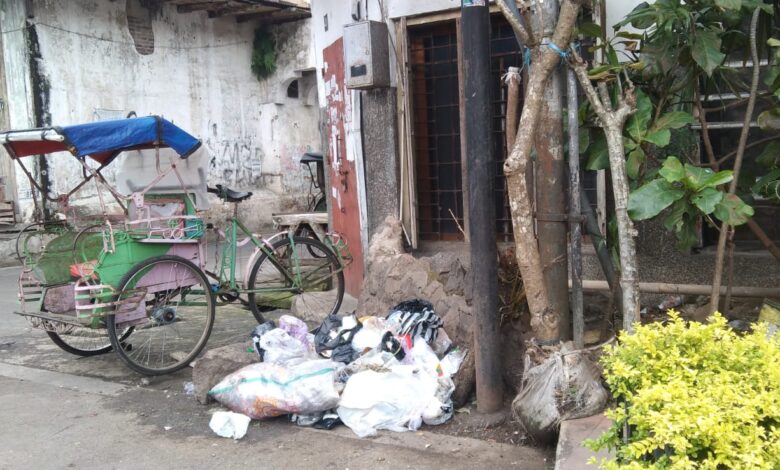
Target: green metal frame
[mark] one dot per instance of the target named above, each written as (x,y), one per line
(227,268)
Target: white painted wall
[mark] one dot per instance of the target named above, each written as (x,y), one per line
(199,77)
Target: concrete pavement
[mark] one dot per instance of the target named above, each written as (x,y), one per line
(61,411)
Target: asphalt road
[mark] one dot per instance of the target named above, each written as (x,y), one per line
(61,411)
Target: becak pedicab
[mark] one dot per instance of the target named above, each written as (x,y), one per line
(135,282)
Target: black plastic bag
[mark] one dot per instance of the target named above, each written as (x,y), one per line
(339,347)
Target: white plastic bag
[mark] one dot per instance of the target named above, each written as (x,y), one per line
(392,400)
(423,356)
(370,335)
(229,424)
(265,390)
(279,347)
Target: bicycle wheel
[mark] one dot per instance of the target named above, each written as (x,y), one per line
(300,270)
(84,342)
(179,309)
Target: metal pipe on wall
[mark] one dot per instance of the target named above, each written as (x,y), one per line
(687,289)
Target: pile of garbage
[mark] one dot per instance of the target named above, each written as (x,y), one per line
(370,373)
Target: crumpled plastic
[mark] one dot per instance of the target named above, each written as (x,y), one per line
(279,347)
(295,328)
(229,424)
(392,400)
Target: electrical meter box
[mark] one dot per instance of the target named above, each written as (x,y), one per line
(366,55)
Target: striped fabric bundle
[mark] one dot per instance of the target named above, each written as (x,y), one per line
(416,318)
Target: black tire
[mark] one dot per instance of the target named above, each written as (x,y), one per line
(321,204)
(305,232)
(79,349)
(130,353)
(289,253)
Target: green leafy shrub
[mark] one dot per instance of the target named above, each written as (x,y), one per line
(693,396)
(263,54)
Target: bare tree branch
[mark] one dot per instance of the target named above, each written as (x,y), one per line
(515,22)
(612,121)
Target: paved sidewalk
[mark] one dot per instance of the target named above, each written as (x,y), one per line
(61,411)
(571,454)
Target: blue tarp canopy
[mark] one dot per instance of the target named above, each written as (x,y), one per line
(102,140)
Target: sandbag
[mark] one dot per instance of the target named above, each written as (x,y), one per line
(566,385)
(265,390)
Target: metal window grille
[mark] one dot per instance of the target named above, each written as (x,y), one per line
(436,104)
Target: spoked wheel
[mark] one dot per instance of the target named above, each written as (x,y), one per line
(85,342)
(301,270)
(178,317)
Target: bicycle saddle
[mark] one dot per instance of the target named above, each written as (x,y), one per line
(311,157)
(229,195)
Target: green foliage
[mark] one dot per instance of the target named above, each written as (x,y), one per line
(768,185)
(263,54)
(694,396)
(706,51)
(691,191)
(681,50)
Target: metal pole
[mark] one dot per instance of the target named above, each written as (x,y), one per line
(550,185)
(475,23)
(575,227)
(599,242)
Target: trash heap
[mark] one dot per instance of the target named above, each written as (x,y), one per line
(370,373)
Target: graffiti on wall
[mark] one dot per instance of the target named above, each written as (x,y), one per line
(235,162)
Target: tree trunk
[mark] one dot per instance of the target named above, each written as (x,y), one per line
(612,121)
(544,320)
(629,281)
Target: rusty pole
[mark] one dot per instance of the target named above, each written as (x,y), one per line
(475,23)
(551,217)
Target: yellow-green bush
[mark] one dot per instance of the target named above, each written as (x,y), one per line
(694,396)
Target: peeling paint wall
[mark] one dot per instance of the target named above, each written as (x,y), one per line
(191,69)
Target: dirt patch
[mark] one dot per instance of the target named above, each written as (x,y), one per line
(465,424)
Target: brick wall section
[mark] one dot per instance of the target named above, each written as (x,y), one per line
(142,34)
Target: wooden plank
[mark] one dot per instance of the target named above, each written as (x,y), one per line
(408,177)
(462,118)
(231,10)
(275,17)
(202,6)
(297,218)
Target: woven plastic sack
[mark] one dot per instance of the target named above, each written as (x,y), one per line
(265,390)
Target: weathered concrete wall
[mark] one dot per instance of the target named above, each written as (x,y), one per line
(103,59)
(381,158)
